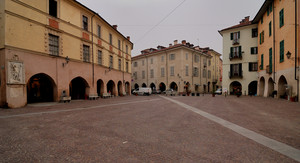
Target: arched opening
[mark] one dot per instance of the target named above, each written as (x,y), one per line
(174,86)
(111,87)
(152,86)
(252,88)
(78,88)
(120,88)
(282,83)
(208,87)
(127,88)
(235,88)
(136,86)
(270,87)
(144,85)
(40,88)
(100,87)
(261,86)
(162,87)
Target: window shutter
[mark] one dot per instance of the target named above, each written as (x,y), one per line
(260,38)
(249,67)
(240,69)
(231,36)
(231,52)
(231,70)
(240,51)
(239,35)
(262,62)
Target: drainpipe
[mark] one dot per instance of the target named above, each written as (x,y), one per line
(147,70)
(93,66)
(296,49)
(274,75)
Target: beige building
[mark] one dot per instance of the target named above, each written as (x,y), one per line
(52,46)
(240,58)
(181,66)
(278,44)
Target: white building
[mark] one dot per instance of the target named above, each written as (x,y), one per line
(240,58)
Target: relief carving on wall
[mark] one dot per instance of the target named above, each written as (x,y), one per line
(15,72)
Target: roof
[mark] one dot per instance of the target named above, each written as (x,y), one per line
(244,22)
(187,45)
(262,10)
(102,19)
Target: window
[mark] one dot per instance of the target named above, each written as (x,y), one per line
(99,31)
(151,73)
(281,18)
(135,64)
(172,56)
(253,66)
(196,72)
(143,62)
(126,66)
(85,22)
(53,45)
(186,56)
(135,75)
(269,10)
(126,49)
(110,39)
(262,37)
(162,72)
(197,58)
(262,62)
(162,58)
(86,53)
(204,62)
(254,32)
(186,70)
(209,62)
(209,74)
(204,73)
(235,70)
(151,61)
(235,36)
(235,52)
(281,51)
(143,74)
(111,61)
(53,8)
(99,57)
(262,20)
(119,44)
(270,60)
(254,50)
(119,64)
(270,28)
(172,71)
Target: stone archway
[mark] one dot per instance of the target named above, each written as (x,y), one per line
(78,88)
(270,87)
(261,86)
(174,86)
(100,87)
(144,85)
(120,88)
(41,88)
(111,87)
(136,86)
(152,86)
(282,84)
(252,88)
(235,88)
(127,88)
(162,87)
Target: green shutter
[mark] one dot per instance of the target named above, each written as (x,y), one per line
(282,51)
(240,52)
(231,36)
(231,52)
(260,38)
(281,18)
(262,62)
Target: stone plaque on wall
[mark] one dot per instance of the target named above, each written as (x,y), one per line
(15,72)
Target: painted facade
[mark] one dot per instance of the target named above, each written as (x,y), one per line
(54,47)
(240,58)
(278,57)
(180,66)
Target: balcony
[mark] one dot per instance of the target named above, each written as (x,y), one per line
(235,55)
(235,74)
(235,41)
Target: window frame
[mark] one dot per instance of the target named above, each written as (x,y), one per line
(53,44)
(85,23)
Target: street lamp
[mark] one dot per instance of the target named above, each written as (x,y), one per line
(288,54)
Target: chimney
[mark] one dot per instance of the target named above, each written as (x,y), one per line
(115,27)
(170,45)
(175,42)
(183,42)
(128,38)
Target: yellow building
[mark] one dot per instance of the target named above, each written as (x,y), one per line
(181,66)
(277,49)
(50,48)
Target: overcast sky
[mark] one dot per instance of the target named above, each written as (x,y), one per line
(196,21)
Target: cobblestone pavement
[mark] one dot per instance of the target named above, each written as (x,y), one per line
(147,129)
